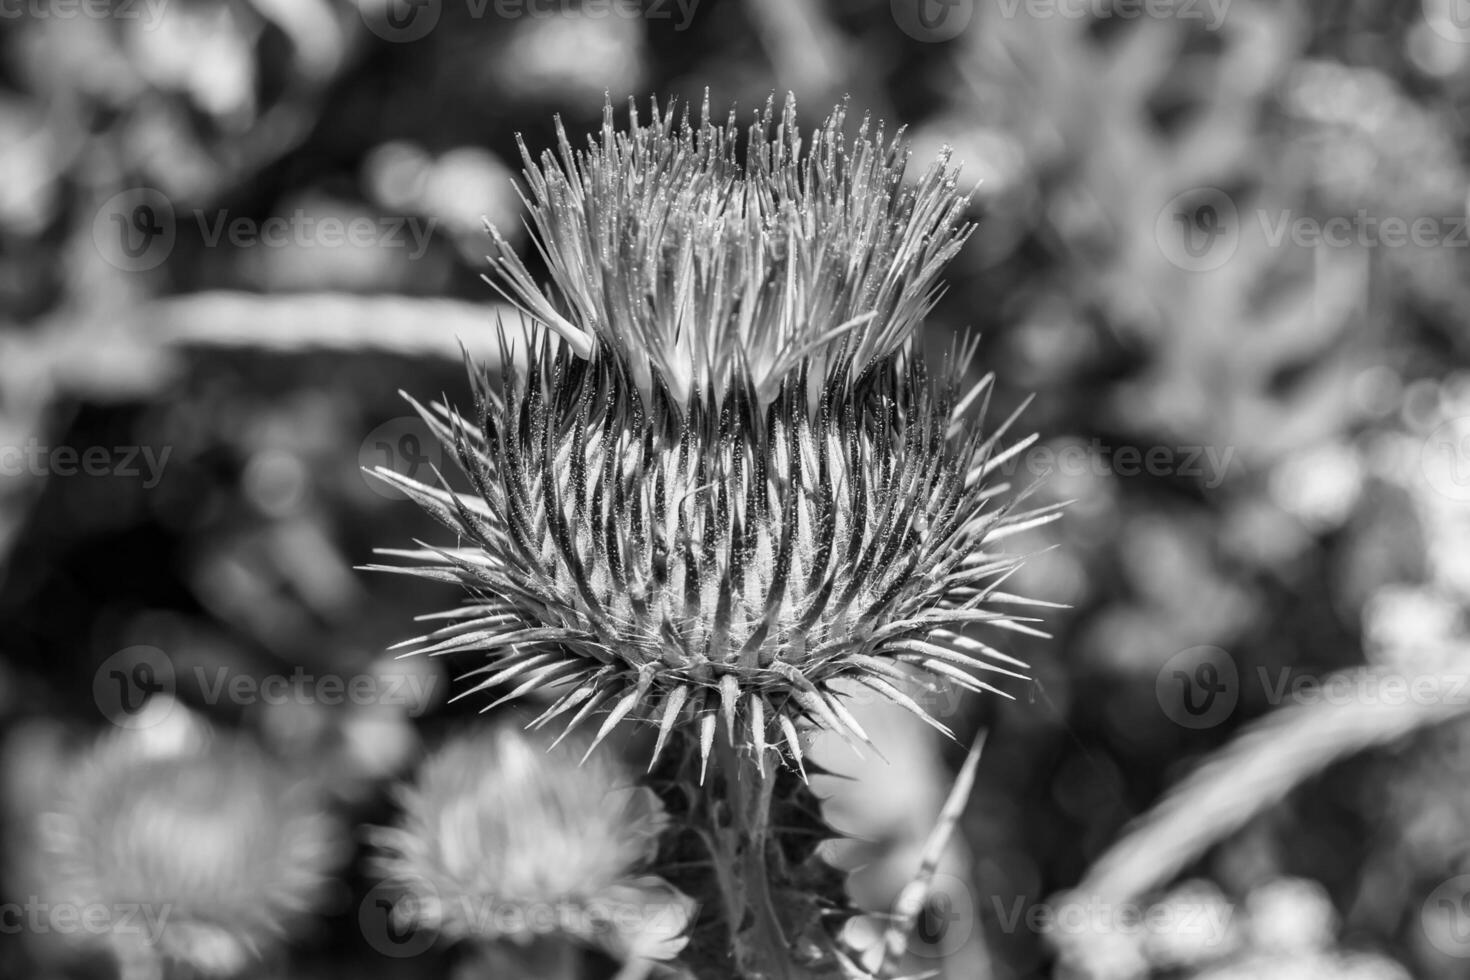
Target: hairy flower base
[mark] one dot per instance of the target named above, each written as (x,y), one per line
(720,561)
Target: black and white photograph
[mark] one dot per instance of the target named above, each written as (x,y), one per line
(734,490)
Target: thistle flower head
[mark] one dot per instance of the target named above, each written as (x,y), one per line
(731,483)
(501,839)
(707,266)
(219,850)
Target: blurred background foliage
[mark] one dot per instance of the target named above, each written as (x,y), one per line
(1299,524)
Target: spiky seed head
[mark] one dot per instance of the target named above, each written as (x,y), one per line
(501,839)
(727,482)
(219,849)
(708,265)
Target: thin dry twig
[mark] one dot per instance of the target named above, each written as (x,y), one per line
(1256,770)
(910,902)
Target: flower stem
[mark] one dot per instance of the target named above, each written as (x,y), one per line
(761,948)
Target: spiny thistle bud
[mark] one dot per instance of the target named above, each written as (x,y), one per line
(723,561)
(725,505)
(214,851)
(502,840)
(705,267)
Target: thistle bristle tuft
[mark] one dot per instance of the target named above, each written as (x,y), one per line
(702,265)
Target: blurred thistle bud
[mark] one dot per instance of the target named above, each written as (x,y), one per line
(503,840)
(208,855)
(734,484)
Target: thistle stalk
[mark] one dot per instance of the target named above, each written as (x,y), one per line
(760,892)
(763,950)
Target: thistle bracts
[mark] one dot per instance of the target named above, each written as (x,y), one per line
(721,563)
(710,268)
